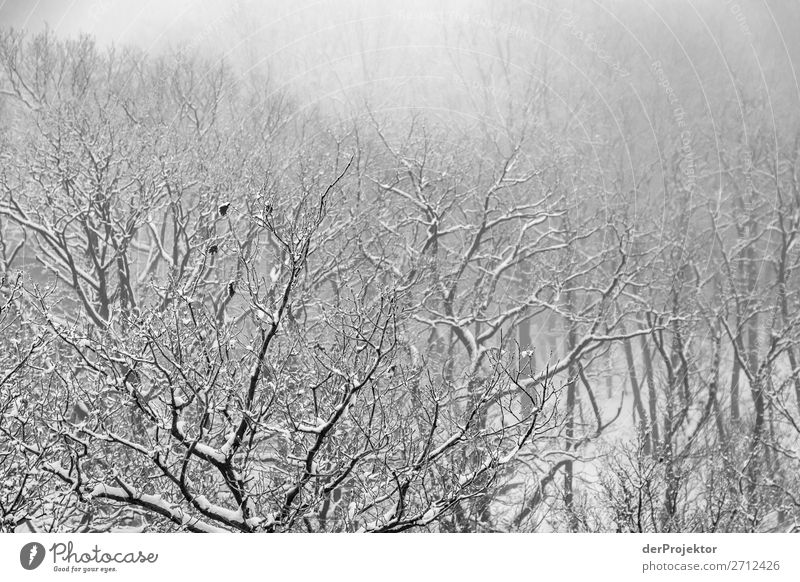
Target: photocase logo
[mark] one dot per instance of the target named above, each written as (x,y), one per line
(31,555)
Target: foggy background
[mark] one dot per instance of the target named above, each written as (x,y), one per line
(339,51)
(641,75)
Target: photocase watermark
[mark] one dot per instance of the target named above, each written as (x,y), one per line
(98,9)
(748,167)
(31,555)
(741,21)
(566,18)
(679,115)
(440,17)
(569,20)
(66,558)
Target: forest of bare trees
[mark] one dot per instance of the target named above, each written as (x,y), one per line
(223,308)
